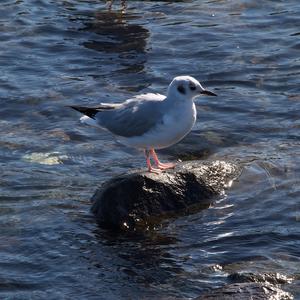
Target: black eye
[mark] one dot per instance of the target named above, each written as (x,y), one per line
(192,88)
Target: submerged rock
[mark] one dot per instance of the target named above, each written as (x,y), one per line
(143,198)
(247,291)
(273,278)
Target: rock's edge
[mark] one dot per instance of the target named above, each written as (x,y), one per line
(246,291)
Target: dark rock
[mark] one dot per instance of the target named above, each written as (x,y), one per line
(247,291)
(273,278)
(143,198)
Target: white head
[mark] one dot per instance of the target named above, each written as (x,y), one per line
(187,88)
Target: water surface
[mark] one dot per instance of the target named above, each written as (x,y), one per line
(57,53)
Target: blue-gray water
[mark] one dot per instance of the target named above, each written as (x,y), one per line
(56,53)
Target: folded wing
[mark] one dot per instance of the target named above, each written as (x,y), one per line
(135,116)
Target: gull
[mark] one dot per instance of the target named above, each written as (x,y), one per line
(150,121)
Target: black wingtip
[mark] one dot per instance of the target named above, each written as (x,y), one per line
(88,111)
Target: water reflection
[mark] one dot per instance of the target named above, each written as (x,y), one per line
(142,257)
(123,4)
(116,34)
(119,36)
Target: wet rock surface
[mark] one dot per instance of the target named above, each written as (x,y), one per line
(141,198)
(247,291)
(272,278)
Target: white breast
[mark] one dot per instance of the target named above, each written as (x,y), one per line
(176,124)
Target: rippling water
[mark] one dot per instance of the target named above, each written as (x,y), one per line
(56,53)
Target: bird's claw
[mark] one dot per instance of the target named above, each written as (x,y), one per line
(166,166)
(154,170)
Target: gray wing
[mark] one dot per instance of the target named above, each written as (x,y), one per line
(135,116)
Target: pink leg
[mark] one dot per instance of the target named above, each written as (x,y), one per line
(148,162)
(160,165)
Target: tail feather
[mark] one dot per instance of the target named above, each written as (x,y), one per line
(92,111)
